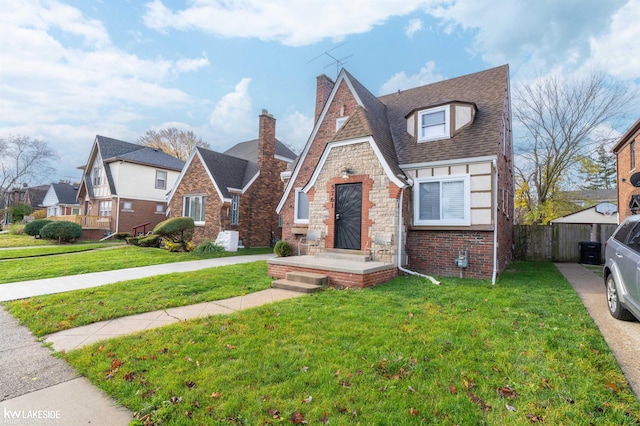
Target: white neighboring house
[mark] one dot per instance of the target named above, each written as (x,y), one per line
(125,186)
(61,200)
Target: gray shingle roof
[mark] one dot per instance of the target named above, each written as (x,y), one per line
(66,193)
(227,171)
(249,150)
(114,150)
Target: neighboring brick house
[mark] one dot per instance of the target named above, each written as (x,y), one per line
(125,185)
(237,190)
(29,195)
(627,152)
(433,165)
(61,199)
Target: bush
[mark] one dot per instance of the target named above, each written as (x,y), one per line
(282,249)
(61,231)
(33,228)
(178,230)
(16,229)
(134,241)
(122,235)
(208,247)
(17,212)
(149,241)
(39,214)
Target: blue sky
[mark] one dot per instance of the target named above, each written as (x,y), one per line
(72,69)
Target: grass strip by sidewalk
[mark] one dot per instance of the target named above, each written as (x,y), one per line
(56,312)
(407,352)
(96,261)
(52,250)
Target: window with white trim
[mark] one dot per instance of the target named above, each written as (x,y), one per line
(75,211)
(434,124)
(301,210)
(235,209)
(159,208)
(161,179)
(127,205)
(105,208)
(97,176)
(193,207)
(442,201)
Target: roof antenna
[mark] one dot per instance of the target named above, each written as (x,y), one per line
(335,61)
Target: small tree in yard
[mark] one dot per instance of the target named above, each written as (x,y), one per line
(62,231)
(178,230)
(17,212)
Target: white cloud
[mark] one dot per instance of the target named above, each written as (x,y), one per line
(402,81)
(232,113)
(532,36)
(292,23)
(413,27)
(618,51)
(295,130)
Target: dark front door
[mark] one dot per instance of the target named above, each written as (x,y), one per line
(348,216)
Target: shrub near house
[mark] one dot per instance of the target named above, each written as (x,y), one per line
(62,231)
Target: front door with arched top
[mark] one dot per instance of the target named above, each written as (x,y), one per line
(348,216)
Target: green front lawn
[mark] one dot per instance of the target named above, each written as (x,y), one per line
(13,240)
(56,312)
(408,352)
(96,261)
(19,253)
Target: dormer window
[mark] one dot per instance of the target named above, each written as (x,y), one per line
(433,124)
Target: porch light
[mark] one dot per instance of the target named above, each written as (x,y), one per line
(346,172)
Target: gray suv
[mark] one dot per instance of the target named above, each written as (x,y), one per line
(622,270)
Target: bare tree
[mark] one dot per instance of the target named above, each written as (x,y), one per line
(178,143)
(563,119)
(23,160)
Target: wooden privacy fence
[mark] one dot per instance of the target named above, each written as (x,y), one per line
(559,242)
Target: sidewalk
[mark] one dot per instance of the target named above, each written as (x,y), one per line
(24,289)
(623,337)
(31,380)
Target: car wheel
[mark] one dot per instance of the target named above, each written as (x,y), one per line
(615,308)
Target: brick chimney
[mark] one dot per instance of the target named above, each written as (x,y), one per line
(266,139)
(324,86)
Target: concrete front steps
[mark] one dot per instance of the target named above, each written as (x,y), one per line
(303,282)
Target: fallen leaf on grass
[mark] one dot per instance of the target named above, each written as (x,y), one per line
(506,392)
(474,398)
(413,412)
(190,384)
(297,418)
(215,395)
(308,400)
(546,383)
(228,346)
(569,400)
(511,408)
(534,419)
(274,413)
(411,389)
(611,386)
(116,363)
(186,358)
(453,390)
(325,418)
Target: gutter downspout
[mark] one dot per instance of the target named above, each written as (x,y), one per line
(495,223)
(406,271)
(118,216)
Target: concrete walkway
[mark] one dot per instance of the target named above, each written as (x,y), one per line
(24,289)
(34,383)
(623,337)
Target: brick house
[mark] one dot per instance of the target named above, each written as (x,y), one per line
(430,169)
(125,185)
(61,199)
(237,190)
(627,152)
(28,195)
